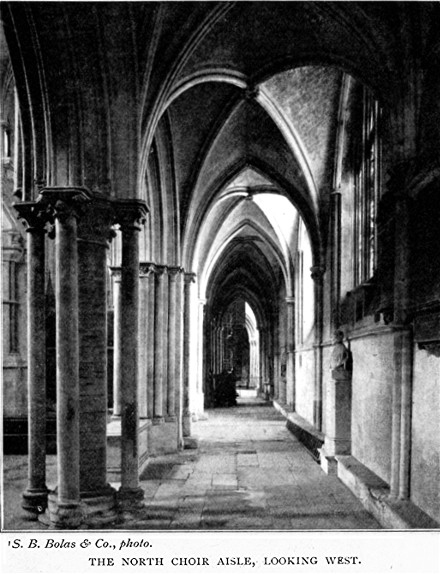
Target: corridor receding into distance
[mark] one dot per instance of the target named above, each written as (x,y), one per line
(248,473)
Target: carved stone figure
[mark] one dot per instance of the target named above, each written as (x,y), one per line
(340,355)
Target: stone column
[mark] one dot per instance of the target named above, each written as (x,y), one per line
(200,355)
(217,349)
(116,275)
(335,294)
(265,387)
(35,495)
(403,341)
(164,335)
(222,348)
(150,341)
(173,353)
(290,352)
(158,346)
(130,215)
(317,274)
(143,344)
(179,357)
(189,279)
(67,205)
(94,234)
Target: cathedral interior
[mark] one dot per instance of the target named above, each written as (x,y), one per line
(206,198)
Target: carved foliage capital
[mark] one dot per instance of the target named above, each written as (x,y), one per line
(173,272)
(65,202)
(160,270)
(147,269)
(189,278)
(130,213)
(34,215)
(115,272)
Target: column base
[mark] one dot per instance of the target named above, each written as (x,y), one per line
(95,509)
(128,492)
(34,502)
(99,507)
(186,425)
(190,443)
(63,515)
(129,498)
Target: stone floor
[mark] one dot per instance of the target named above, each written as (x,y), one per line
(248,473)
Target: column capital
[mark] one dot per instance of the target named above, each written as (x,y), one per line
(34,215)
(173,272)
(146,269)
(65,202)
(115,272)
(189,278)
(161,270)
(317,272)
(130,213)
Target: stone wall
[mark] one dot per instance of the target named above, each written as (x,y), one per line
(425,445)
(371,401)
(305,380)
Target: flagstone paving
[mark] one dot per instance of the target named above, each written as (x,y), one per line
(248,473)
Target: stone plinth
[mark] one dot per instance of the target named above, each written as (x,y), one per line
(163,437)
(338,419)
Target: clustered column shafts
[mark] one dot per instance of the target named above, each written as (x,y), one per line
(200,357)
(143,347)
(94,234)
(147,342)
(159,314)
(189,280)
(317,274)
(116,274)
(173,354)
(163,333)
(335,295)
(403,342)
(130,216)
(67,205)
(35,495)
(150,342)
(179,362)
(290,348)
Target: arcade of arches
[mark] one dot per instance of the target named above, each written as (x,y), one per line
(196,197)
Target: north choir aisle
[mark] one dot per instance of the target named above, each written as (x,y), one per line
(249,472)
(203,200)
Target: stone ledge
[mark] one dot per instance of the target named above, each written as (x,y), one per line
(304,431)
(374,494)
